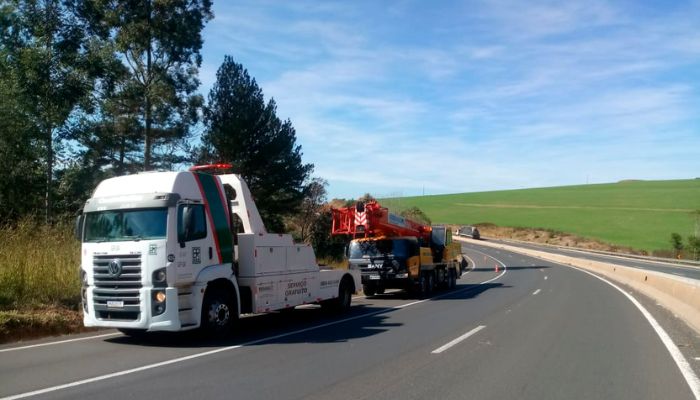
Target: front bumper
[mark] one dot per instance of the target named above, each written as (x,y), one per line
(98,316)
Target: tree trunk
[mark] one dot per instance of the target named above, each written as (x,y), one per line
(49,176)
(148,141)
(122,146)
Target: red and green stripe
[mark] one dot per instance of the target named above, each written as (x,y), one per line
(218,214)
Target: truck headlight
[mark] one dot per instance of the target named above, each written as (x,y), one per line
(158,302)
(160,278)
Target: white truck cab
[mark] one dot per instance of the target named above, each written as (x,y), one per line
(161,252)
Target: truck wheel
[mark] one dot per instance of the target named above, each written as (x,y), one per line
(452,279)
(430,283)
(369,290)
(218,312)
(341,303)
(421,289)
(344,296)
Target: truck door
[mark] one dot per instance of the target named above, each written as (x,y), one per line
(195,247)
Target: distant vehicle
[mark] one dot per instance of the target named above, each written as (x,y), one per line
(469,231)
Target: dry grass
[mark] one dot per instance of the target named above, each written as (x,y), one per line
(39,266)
(39,281)
(31,324)
(332,263)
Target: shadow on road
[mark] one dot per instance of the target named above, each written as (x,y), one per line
(362,321)
(307,324)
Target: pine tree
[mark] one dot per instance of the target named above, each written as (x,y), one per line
(159,42)
(244,130)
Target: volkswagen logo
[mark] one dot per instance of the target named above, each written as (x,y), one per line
(115,268)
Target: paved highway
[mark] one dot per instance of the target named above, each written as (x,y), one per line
(531,330)
(650,265)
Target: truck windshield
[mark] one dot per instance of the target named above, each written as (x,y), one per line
(122,225)
(378,248)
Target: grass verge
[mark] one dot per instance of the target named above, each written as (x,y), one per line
(18,325)
(39,281)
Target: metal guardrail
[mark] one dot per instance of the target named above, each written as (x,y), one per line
(688,263)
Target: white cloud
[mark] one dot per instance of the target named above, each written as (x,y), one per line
(493,95)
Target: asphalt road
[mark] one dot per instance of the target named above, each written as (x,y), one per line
(658,266)
(531,330)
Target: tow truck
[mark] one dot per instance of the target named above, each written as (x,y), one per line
(176,251)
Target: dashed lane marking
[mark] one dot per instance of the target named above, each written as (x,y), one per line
(457,340)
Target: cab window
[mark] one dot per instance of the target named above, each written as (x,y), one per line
(191,222)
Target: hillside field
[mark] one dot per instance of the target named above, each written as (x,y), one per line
(638,214)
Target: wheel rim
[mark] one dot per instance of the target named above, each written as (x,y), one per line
(219,314)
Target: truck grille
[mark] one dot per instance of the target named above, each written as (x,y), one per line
(116,297)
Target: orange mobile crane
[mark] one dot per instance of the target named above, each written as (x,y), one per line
(395,252)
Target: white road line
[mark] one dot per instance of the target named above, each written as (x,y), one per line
(535,292)
(681,362)
(471,262)
(223,349)
(60,342)
(545,277)
(457,340)
(497,260)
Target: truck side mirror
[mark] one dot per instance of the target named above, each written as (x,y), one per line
(184,218)
(79,223)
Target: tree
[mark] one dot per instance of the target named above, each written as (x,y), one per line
(310,209)
(241,128)
(677,243)
(694,247)
(416,214)
(45,48)
(325,245)
(159,42)
(21,177)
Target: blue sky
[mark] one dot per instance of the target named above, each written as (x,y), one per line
(405,97)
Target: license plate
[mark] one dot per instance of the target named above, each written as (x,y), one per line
(115,304)
(374,277)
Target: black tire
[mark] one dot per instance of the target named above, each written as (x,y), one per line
(219,312)
(344,296)
(134,333)
(341,303)
(421,288)
(452,279)
(369,290)
(430,283)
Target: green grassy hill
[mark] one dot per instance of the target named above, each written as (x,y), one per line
(639,214)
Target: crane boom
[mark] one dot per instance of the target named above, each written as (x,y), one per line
(371,220)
